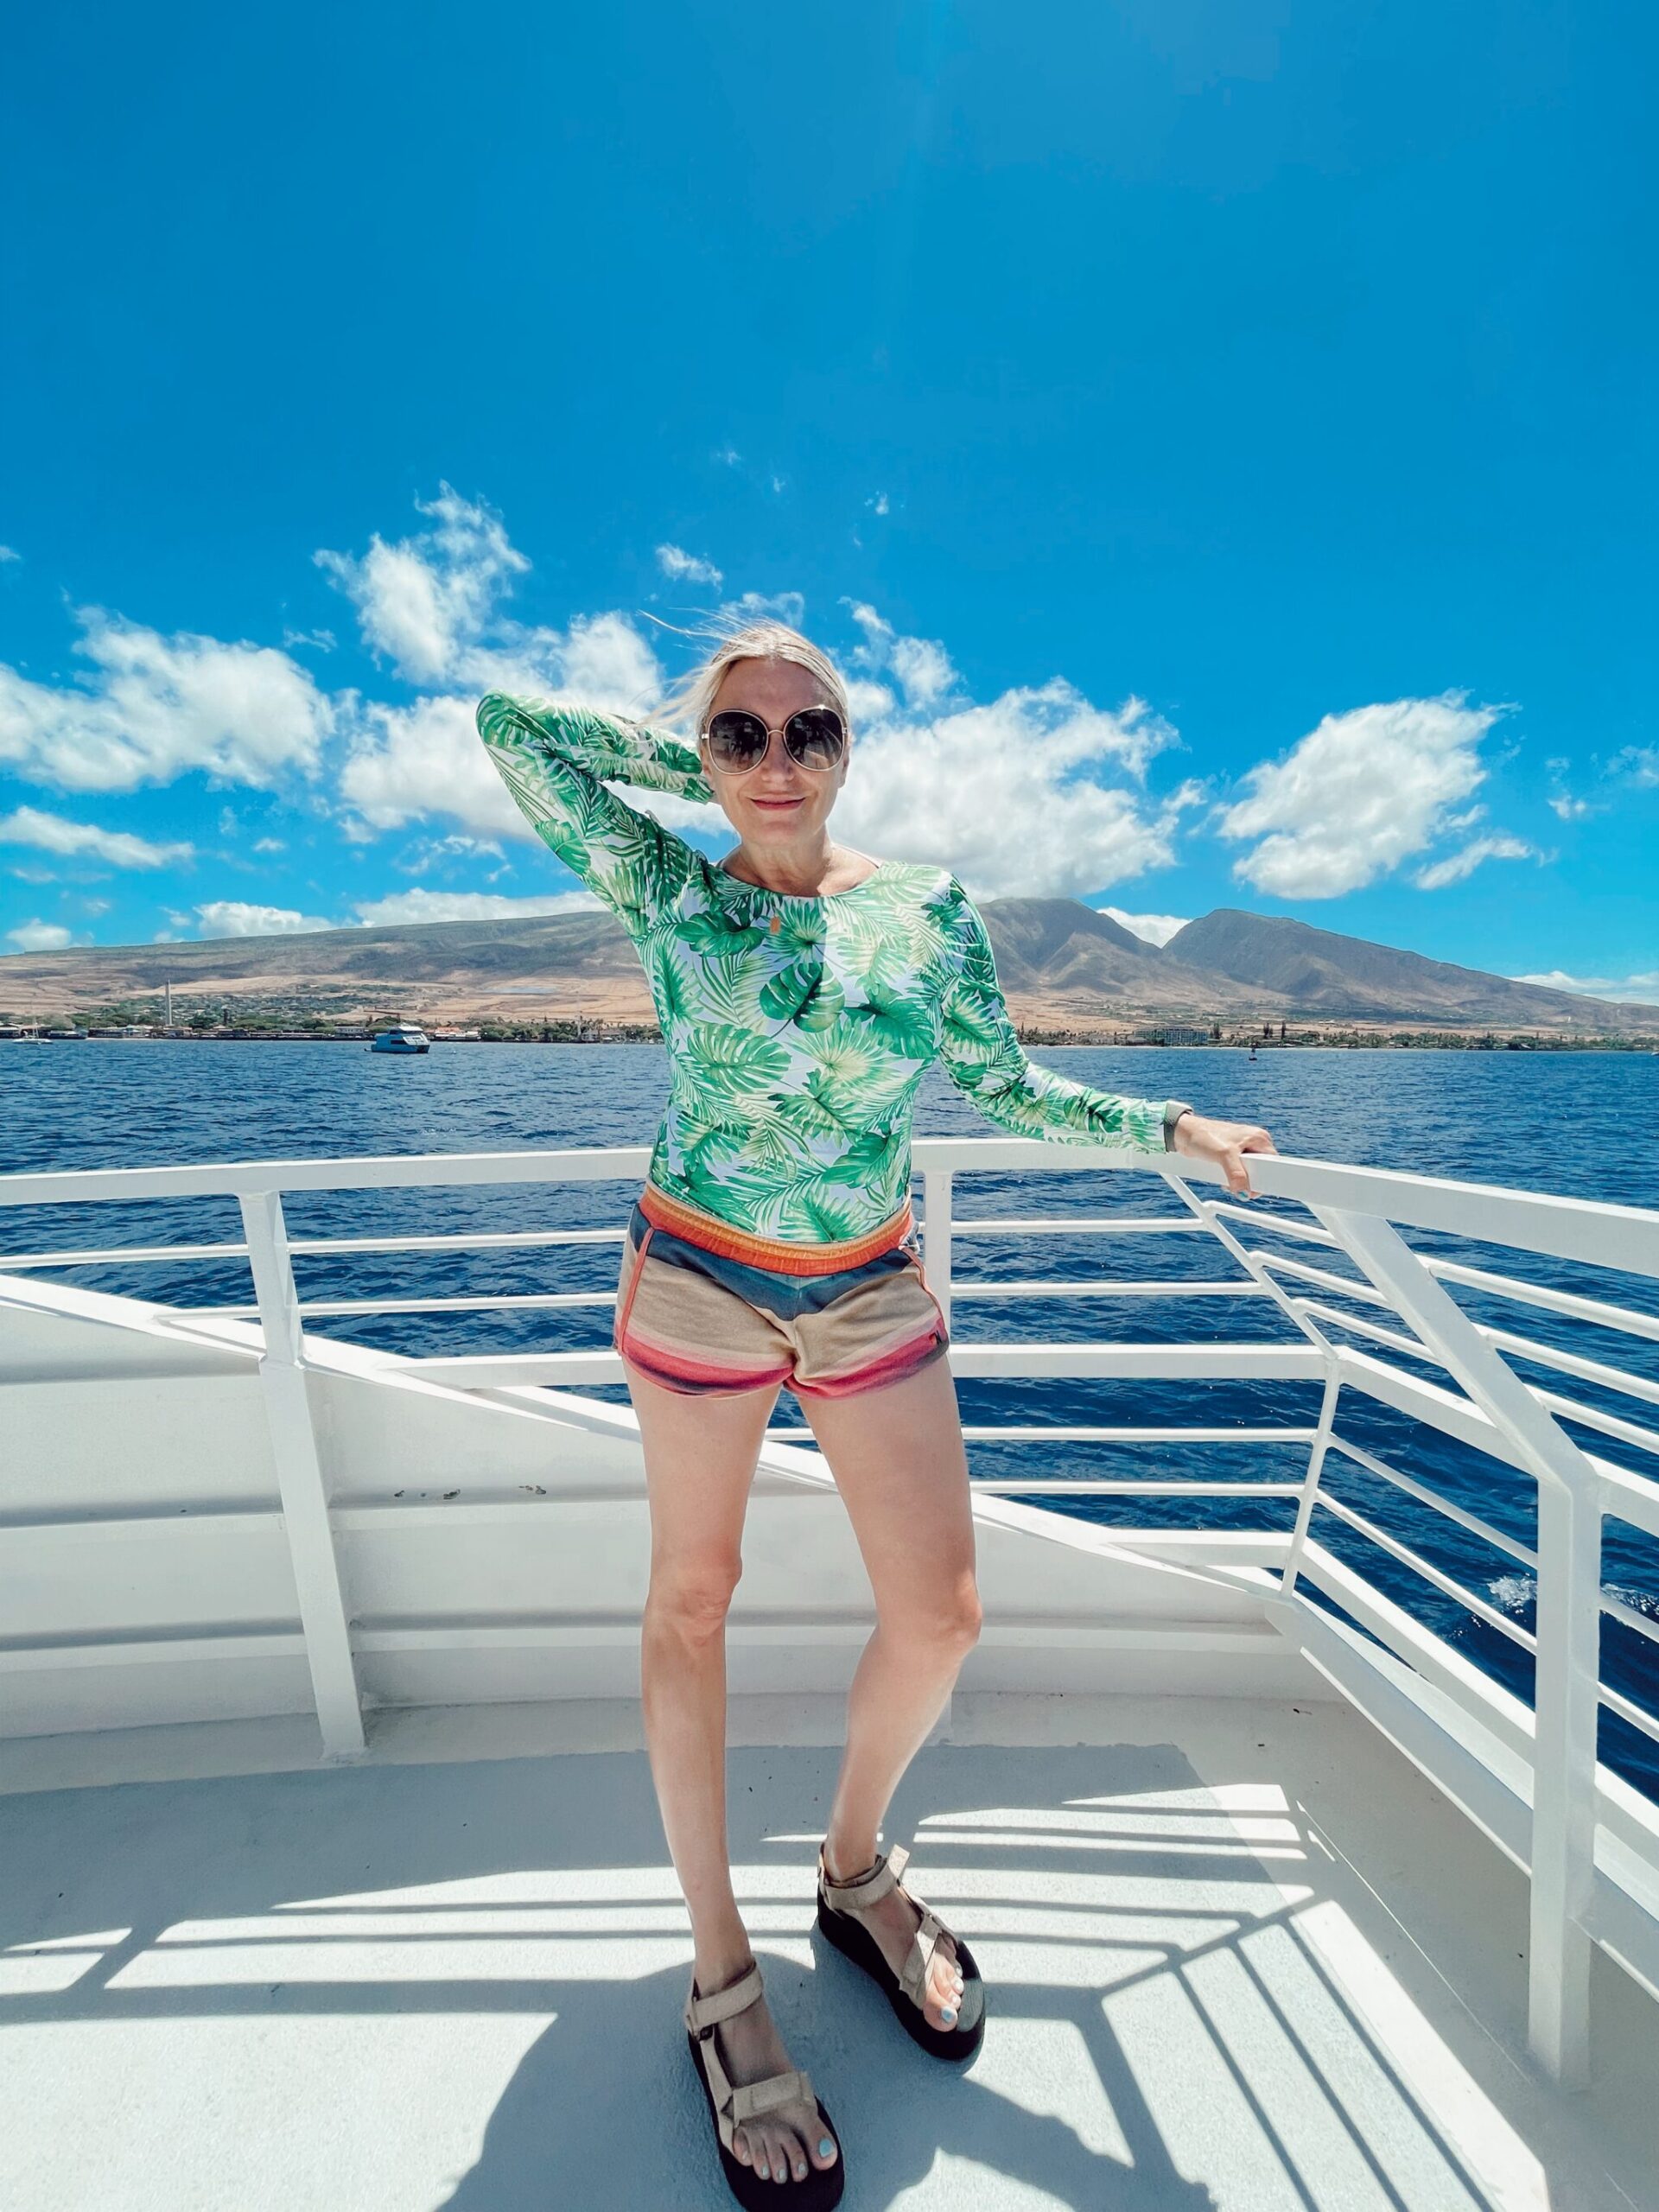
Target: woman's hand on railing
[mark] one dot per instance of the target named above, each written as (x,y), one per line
(1226,1143)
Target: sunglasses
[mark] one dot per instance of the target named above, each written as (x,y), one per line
(813,738)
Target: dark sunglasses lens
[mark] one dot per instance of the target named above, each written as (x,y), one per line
(736,740)
(815,737)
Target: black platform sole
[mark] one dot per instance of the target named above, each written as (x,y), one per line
(855,1943)
(822,2188)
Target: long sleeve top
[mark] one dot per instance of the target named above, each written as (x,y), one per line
(797,1029)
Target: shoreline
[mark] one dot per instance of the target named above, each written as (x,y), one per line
(592,1033)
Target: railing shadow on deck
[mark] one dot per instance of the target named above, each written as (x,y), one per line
(1185,2014)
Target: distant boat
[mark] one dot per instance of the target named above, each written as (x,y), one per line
(402,1037)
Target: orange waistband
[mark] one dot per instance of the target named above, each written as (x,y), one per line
(771,1252)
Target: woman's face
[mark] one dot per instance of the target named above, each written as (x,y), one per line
(777,803)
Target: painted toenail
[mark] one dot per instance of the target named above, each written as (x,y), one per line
(800,2173)
(825,2146)
(947,2013)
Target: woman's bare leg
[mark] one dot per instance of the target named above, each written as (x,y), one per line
(700,1456)
(899,1461)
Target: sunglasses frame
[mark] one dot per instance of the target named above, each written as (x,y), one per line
(812,768)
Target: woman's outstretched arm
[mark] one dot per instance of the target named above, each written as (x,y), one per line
(554,761)
(983,1056)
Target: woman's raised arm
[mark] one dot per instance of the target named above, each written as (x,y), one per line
(554,761)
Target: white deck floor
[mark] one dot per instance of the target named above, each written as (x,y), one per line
(1239,1956)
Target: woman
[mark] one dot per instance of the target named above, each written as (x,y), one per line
(802,989)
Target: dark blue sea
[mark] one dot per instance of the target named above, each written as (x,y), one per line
(1580,1124)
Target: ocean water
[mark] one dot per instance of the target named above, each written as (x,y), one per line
(1579,1124)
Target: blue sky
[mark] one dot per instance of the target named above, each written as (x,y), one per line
(1218,440)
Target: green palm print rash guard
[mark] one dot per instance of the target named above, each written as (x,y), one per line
(797,1030)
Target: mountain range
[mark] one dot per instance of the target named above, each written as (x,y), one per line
(1060,961)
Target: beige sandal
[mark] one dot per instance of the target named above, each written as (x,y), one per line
(906,1992)
(731,2104)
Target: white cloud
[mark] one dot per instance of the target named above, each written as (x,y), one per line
(1641,990)
(156,706)
(685,568)
(424,601)
(430,601)
(408,763)
(1357,796)
(431,852)
(727,456)
(923,668)
(602,660)
(235,918)
(1563,803)
(1638,764)
(880,503)
(9,553)
(1156,929)
(411,762)
(468,905)
(786,607)
(1458,866)
(869,700)
(1025,795)
(39,937)
(52,833)
(269,845)
(921,665)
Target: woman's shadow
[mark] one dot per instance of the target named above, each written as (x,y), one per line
(604,2110)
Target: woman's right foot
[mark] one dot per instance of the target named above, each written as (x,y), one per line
(784,2144)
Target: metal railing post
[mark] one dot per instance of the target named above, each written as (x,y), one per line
(1309,1499)
(300,1480)
(936,1235)
(1568,1707)
(1567,1693)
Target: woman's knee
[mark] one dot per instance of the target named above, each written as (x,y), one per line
(692,1598)
(948,1616)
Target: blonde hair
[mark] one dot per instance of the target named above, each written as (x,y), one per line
(691,701)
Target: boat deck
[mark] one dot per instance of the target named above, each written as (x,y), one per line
(1241,1955)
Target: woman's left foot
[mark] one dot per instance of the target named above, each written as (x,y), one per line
(892,1921)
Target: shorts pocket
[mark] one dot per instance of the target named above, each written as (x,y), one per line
(921,1277)
(633,1261)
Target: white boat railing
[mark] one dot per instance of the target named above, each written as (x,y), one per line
(1371,1319)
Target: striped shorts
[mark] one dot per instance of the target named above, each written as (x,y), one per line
(708,1310)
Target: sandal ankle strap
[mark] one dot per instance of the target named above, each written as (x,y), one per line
(880,1883)
(705,2012)
(876,1884)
